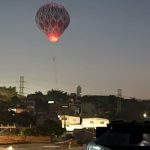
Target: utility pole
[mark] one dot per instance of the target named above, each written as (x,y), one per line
(21,87)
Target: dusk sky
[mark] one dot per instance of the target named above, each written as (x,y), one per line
(106,47)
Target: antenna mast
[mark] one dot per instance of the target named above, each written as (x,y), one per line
(55,73)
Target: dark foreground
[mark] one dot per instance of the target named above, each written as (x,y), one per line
(40,147)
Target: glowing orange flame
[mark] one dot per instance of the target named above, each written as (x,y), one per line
(53,38)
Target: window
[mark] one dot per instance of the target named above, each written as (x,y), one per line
(101,122)
(91,122)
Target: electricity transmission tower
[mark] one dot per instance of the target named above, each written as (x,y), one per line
(119,100)
(21,86)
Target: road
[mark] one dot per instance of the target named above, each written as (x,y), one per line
(40,147)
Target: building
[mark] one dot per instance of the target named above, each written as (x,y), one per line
(94,122)
(67,120)
(71,122)
(75,109)
(18,110)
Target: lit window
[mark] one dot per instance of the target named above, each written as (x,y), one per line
(101,122)
(91,122)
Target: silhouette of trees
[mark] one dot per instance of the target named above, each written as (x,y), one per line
(48,128)
(15,101)
(40,101)
(57,96)
(24,119)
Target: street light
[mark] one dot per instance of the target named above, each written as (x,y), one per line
(145,115)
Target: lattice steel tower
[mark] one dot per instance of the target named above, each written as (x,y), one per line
(21,87)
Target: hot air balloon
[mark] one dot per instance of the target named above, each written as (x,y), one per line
(52,19)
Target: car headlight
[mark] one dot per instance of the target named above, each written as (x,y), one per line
(93,146)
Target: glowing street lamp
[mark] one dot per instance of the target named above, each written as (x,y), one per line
(145,115)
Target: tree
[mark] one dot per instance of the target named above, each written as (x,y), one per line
(57,96)
(40,101)
(24,119)
(50,127)
(15,101)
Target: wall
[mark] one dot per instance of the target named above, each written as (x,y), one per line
(23,139)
